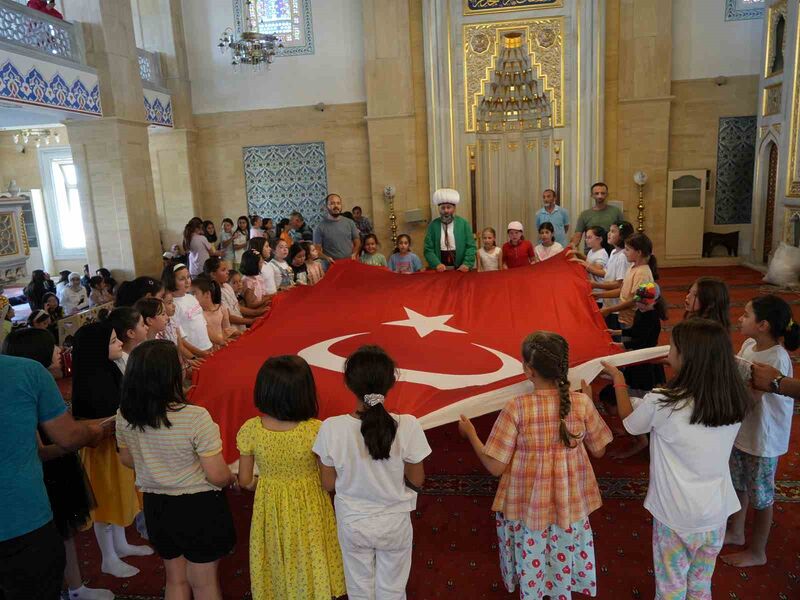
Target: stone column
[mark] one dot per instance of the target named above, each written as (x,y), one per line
(391,123)
(159,28)
(111,154)
(638,105)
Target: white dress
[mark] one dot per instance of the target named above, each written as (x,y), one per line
(490,261)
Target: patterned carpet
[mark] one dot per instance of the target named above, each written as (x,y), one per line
(455,552)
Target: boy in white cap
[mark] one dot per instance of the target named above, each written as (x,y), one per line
(449,243)
(517,251)
(74,298)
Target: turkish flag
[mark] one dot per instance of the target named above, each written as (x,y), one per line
(453,336)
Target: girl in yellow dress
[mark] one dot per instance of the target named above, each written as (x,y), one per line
(294,550)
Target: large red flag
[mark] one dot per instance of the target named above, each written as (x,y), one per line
(453,335)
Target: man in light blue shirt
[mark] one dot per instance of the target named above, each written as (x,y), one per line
(554,214)
(31,551)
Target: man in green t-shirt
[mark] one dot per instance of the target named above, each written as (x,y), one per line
(601,214)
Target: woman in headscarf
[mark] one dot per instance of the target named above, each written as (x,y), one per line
(96,381)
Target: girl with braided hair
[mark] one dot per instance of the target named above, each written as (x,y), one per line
(547,486)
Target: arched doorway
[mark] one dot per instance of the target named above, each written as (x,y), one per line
(769,207)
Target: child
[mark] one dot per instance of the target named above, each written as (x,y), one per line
(95,395)
(297,261)
(255,292)
(255,227)
(616,267)
(262,247)
(543,501)
(63,281)
(314,270)
(708,298)
(369,252)
(764,435)
(188,312)
(692,423)
(209,296)
(490,257)
(517,251)
(639,251)
(281,271)
(232,297)
(68,488)
(39,320)
(366,457)
(597,257)
(176,452)
(130,329)
(51,304)
(548,247)
(240,238)
(220,271)
(154,316)
(402,259)
(99,294)
(226,241)
(651,310)
(74,297)
(294,553)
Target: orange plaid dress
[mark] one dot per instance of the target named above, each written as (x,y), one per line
(546,482)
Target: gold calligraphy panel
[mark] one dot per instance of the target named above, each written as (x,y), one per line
(544,39)
(476,7)
(793,171)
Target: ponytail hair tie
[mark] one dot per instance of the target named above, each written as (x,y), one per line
(373,399)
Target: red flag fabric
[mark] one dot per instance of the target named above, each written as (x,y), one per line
(452,335)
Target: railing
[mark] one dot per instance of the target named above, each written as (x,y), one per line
(150,67)
(34,30)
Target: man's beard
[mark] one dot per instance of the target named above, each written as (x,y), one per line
(334,212)
(447,219)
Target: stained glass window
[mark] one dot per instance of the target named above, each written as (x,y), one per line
(290,20)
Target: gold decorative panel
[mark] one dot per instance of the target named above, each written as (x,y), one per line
(545,42)
(771,103)
(775,11)
(9,245)
(793,171)
(791,225)
(476,7)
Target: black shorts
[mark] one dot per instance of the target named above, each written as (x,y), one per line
(32,565)
(198,527)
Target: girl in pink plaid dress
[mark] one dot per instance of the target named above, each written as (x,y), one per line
(547,486)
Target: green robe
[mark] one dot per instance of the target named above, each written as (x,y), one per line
(465,243)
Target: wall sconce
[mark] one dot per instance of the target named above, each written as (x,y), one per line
(640,179)
(388,195)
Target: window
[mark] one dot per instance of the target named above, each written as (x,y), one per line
(290,20)
(62,203)
(743,10)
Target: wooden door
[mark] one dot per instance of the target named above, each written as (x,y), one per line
(686,211)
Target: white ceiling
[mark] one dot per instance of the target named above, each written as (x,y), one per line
(15,116)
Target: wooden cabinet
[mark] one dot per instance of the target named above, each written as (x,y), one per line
(686,213)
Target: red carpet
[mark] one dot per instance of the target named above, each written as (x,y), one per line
(455,555)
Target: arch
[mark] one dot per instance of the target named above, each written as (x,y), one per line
(768,148)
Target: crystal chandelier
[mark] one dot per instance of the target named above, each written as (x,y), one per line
(36,136)
(252,47)
(512,100)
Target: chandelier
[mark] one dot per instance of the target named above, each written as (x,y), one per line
(251,47)
(512,99)
(36,136)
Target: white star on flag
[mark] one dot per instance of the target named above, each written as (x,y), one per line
(425,325)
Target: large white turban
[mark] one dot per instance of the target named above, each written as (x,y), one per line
(446,196)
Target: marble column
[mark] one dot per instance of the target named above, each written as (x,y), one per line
(391,124)
(638,105)
(159,28)
(111,154)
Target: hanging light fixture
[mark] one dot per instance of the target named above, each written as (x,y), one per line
(251,47)
(512,100)
(36,136)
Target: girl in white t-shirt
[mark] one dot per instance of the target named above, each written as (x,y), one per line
(188,312)
(597,257)
(692,421)
(616,267)
(366,457)
(547,247)
(282,272)
(490,256)
(764,435)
